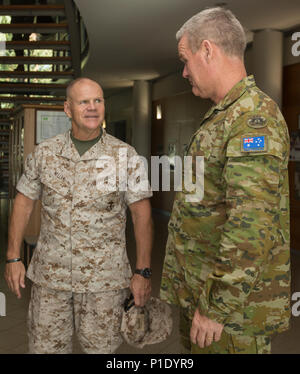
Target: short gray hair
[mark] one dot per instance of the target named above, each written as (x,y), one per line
(74,82)
(218,25)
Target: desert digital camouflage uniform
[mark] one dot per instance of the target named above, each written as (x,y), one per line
(97,319)
(228,255)
(81,247)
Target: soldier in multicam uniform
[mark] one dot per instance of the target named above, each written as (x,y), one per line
(227,261)
(80,269)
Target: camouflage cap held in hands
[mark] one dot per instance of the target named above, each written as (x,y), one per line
(150,324)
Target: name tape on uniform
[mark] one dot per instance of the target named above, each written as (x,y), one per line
(254,143)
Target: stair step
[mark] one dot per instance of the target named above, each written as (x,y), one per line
(5,115)
(28,28)
(6,110)
(37,74)
(32,10)
(35,60)
(30,93)
(28,100)
(4,118)
(31,87)
(43,44)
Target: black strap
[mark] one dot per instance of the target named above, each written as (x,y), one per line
(13,260)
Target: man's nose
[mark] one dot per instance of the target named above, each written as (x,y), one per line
(91,105)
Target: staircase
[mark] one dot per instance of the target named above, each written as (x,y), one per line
(28,78)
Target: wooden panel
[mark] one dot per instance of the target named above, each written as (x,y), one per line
(34,99)
(36,74)
(161,200)
(33,27)
(29,131)
(19,150)
(44,60)
(32,10)
(41,44)
(291,112)
(32,87)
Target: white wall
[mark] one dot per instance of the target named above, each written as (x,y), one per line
(182,114)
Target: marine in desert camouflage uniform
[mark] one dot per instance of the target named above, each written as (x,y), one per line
(80,269)
(227,261)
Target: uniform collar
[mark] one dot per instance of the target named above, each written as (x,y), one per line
(234,94)
(69,151)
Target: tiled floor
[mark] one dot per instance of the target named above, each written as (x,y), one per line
(13,337)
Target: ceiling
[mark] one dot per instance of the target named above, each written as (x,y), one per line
(135,39)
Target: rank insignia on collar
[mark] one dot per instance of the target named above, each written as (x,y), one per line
(257,122)
(254,143)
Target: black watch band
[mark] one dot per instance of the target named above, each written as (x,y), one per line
(146,272)
(13,260)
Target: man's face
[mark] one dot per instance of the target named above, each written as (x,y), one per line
(195,69)
(85,106)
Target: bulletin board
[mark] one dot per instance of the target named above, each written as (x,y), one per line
(50,123)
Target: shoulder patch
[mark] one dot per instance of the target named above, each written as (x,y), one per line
(257,122)
(254,143)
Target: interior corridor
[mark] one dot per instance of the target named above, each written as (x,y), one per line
(13,336)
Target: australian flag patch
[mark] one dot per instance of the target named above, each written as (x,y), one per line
(254,143)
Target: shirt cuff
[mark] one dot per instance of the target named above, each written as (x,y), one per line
(27,188)
(133,198)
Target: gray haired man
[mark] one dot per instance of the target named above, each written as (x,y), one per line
(227,261)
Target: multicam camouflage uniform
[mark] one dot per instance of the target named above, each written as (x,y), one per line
(228,255)
(81,246)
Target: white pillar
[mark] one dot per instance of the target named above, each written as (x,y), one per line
(268,62)
(141,129)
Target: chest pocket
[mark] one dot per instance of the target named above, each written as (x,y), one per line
(55,189)
(104,190)
(106,202)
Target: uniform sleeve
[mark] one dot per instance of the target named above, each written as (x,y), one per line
(250,232)
(29,183)
(138,187)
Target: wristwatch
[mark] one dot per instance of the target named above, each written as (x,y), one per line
(146,272)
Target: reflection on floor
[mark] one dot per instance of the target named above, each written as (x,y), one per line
(13,336)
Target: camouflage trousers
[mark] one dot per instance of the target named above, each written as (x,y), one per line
(54,315)
(228,344)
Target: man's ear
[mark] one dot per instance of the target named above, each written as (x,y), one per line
(67,109)
(207,50)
